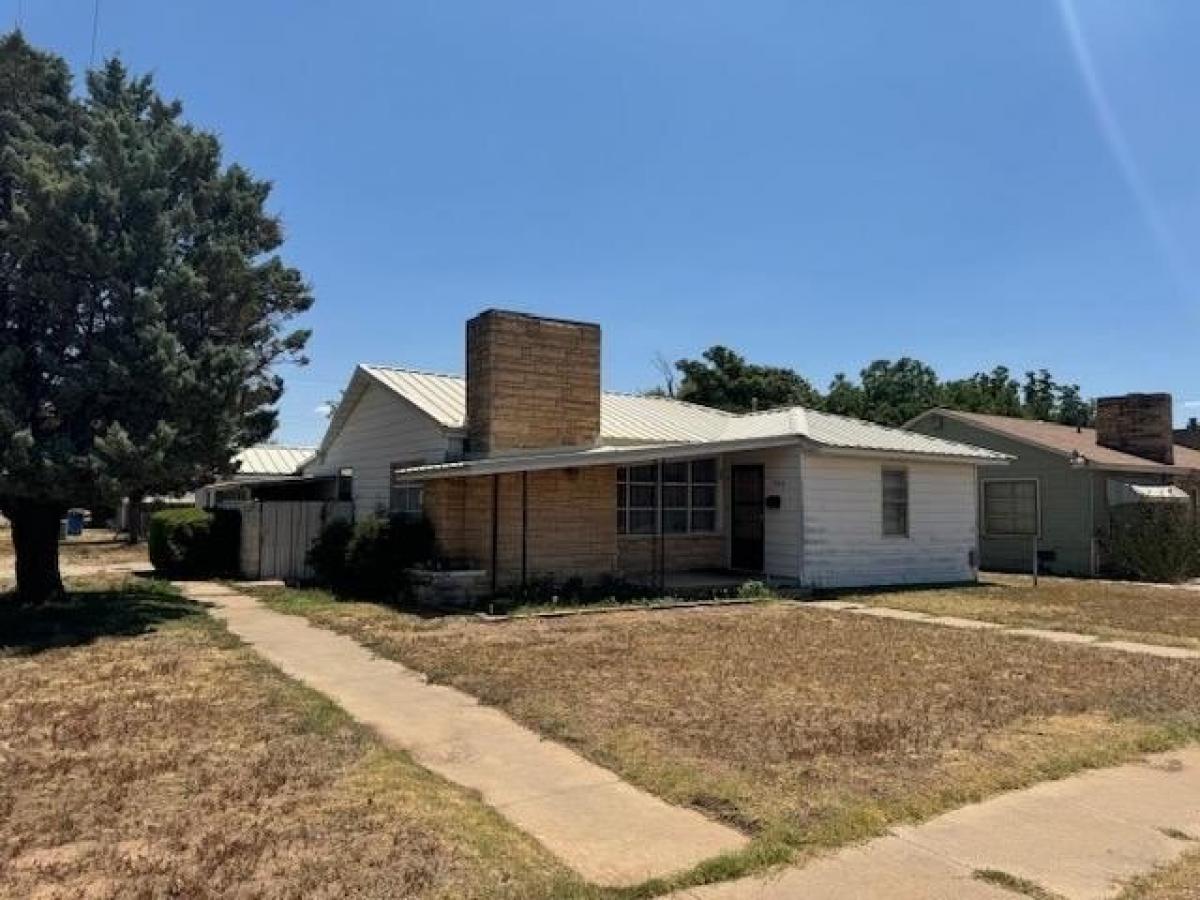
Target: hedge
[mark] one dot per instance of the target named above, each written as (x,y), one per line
(195,543)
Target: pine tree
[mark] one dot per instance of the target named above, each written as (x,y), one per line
(143,310)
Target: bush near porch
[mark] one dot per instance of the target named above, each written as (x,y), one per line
(371,558)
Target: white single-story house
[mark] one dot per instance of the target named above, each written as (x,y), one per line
(526,469)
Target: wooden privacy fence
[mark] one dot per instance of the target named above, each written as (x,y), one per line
(277,535)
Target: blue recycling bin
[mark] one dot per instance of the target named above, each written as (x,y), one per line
(74,523)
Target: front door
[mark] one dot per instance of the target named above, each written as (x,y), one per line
(747,529)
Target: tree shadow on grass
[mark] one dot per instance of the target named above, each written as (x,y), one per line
(83,616)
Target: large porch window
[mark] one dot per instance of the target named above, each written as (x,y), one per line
(683,493)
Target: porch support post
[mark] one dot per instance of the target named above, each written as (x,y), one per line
(524,526)
(662,543)
(495,531)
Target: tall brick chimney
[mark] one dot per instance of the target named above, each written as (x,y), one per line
(1140,424)
(531,382)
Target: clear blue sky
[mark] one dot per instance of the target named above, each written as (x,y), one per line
(815,184)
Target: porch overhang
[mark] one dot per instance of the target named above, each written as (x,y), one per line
(625,454)
(592,456)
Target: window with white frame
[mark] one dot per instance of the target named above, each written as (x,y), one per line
(895,502)
(406,496)
(1010,507)
(683,493)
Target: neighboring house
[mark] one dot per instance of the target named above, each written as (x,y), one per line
(528,470)
(1065,482)
(1189,436)
(263,471)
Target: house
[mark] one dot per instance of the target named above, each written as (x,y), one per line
(527,469)
(1189,436)
(1065,482)
(265,471)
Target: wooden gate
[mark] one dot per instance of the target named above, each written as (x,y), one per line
(277,535)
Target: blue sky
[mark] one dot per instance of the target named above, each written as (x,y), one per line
(815,184)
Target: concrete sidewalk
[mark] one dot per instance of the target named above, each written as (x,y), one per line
(1043,634)
(603,828)
(1080,838)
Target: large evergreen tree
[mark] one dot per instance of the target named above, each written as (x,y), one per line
(143,312)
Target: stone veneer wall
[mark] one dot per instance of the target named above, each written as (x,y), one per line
(532,382)
(1140,424)
(571,514)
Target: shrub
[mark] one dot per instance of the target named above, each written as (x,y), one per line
(370,559)
(327,555)
(1154,542)
(195,543)
(753,590)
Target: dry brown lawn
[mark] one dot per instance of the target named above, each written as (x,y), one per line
(1180,881)
(93,547)
(802,727)
(1149,613)
(144,753)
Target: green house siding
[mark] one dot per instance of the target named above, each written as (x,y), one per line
(1067,501)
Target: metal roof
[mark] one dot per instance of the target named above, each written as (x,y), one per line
(630,421)
(272,459)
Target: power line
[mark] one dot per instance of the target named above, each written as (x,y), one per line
(95,29)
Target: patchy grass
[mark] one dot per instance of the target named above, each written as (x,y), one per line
(145,752)
(1128,611)
(1179,881)
(1015,884)
(806,729)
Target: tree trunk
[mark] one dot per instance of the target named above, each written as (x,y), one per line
(134,522)
(35,528)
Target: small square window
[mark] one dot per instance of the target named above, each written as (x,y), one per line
(675,496)
(675,473)
(675,521)
(642,521)
(646,474)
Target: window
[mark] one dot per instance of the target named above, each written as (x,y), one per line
(684,494)
(406,496)
(345,485)
(1010,507)
(895,503)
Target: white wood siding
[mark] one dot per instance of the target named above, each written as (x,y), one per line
(382,429)
(844,544)
(783,536)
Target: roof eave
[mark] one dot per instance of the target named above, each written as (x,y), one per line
(1000,459)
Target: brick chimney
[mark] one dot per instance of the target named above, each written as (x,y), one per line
(1139,424)
(531,382)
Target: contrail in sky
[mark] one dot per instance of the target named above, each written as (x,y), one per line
(1118,145)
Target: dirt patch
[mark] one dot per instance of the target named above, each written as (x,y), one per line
(152,755)
(1148,613)
(798,726)
(95,547)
